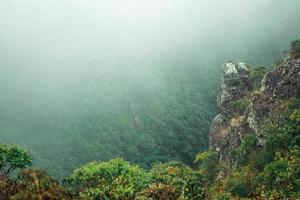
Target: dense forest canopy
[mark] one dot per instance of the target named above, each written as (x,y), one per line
(83,81)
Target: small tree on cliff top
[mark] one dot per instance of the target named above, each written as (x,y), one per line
(13,157)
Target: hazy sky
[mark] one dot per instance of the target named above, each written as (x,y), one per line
(51,46)
(77,33)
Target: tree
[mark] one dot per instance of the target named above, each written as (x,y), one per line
(208,165)
(116,179)
(177,177)
(13,157)
(281,177)
(34,184)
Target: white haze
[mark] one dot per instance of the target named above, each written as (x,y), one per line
(64,34)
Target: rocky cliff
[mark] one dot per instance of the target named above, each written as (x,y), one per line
(248,97)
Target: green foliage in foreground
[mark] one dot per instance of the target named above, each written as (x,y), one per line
(32,185)
(269,171)
(13,157)
(116,179)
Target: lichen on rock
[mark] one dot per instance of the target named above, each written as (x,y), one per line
(244,110)
(227,126)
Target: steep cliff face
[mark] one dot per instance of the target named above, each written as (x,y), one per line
(231,124)
(245,109)
(279,84)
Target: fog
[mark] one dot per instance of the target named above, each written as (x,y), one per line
(73,71)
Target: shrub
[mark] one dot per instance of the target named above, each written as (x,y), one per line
(13,157)
(34,184)
(238,106)
(187,181)
(223,197)
(295,46)
(247,150)
(281,177)
(256,76)
(208,165)
(113,180)
(7,187)
(160,191)
(243,183)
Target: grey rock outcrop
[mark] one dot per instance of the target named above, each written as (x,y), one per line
(278,85)
(227,128)
(243,111)
(235,84)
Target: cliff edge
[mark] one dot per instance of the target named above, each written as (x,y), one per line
(248,98)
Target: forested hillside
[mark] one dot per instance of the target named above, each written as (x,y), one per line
(254,150)
(98,118)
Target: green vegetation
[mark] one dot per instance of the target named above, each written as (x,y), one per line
(12,157)
(238,106)
(295,47)
(142,123)
(35,185)
(114,99)
(270,171)
(256,76)
(116,179)
(152,102)
(267,168)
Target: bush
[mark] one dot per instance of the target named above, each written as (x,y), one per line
(295,46)
(7,187)
(223,197)
(13,157)
(187,181)
(238,106)
(208,165)
(34,184)
(238,184)
(281,177)
(113,180)
(247,150)
(256,76)
(160,191)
